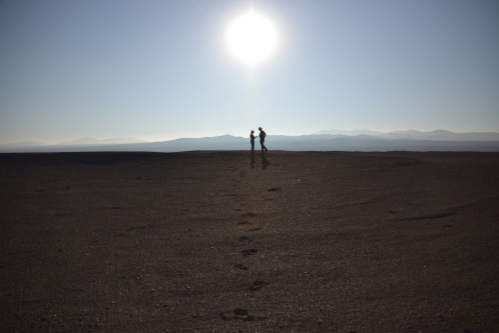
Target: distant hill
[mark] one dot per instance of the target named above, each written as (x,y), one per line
(350,133)
(25,144)
(444,135)
(322,142)
(438,135)
(92,141)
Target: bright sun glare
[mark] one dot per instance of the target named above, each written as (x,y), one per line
(252,38)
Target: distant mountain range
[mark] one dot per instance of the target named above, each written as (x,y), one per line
(439,135)
(92,141)
(352,141)
(79,142)
(25,144)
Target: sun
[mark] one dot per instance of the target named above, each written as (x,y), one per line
(252,38)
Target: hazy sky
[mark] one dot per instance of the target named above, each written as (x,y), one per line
(159,70)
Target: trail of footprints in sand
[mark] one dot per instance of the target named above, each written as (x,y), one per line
(257,285)
(238,313)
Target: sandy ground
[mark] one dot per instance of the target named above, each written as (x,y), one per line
(223,242)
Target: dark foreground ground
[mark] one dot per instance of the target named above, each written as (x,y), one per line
(202,241)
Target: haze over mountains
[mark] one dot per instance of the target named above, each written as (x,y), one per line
(330,140)
(92,141)
(412,134)
(85,141)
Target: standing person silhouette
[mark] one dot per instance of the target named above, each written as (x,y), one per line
(262,139)
(252,138)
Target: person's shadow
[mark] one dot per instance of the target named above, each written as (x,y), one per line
(265,162)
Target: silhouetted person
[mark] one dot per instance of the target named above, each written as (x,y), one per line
(252,138)
(262,139)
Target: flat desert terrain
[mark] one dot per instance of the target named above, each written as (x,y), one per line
(213,241)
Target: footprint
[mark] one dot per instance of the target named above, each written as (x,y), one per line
(249,252)
(255,229)
(257,285)
(432,217)
(242,314)
(243,222)
(273,189)
(241,267)
(238,314)
(244,239)
(249,215)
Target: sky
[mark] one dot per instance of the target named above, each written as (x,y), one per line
(161,70)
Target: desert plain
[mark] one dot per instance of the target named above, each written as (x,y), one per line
(229,241)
